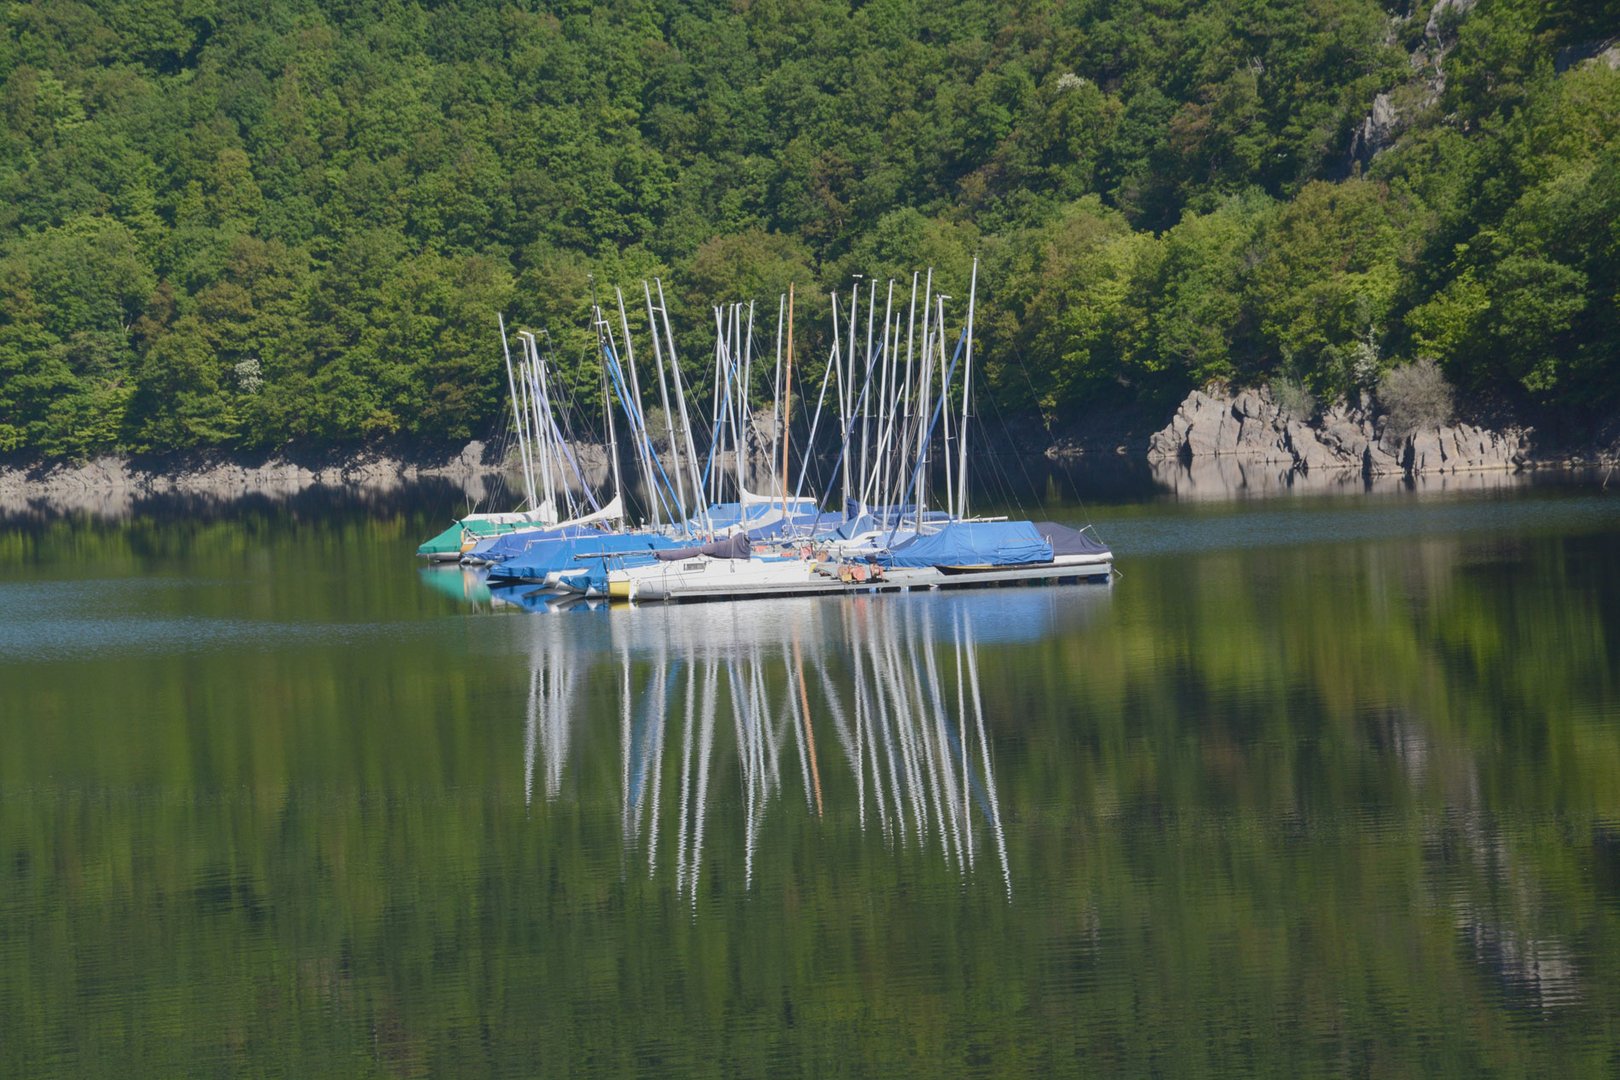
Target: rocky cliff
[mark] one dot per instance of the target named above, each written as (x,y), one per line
(1250,426)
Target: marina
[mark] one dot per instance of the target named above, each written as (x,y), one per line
(899,432)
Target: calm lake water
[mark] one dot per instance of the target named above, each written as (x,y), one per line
(1319,786)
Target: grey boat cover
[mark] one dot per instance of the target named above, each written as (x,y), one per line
(735,546)
(1067,541)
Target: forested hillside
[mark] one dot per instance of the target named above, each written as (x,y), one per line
(240,223)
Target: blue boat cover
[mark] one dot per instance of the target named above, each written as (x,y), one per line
(974,543)
(497,548)
(549,556)
(855,526)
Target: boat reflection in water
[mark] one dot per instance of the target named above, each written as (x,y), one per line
(734,712)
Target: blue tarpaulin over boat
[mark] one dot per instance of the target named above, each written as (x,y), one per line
(498,548)
(974,543)
(553,556)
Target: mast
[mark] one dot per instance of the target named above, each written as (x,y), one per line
(885,367)
(680,400)
(848,389)
(834,362)
(669,417)
(925,383)
(553,454)
(776,396)
(903,439)
(787,411)
(866,401)
(712,474)
(517,416)
(967,391)
(607,400)
(541,408)
(632,410)
(944,400)
(744,423)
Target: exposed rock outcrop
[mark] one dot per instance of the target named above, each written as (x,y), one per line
(1252,429)
(1393,111)
(110,486)
(1605,52)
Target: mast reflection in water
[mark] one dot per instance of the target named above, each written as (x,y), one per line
(765,703)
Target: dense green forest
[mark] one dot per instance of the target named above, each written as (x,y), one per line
(240,223)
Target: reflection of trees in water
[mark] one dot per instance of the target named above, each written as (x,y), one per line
(897,686)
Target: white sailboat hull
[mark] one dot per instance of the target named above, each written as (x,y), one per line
(703,578)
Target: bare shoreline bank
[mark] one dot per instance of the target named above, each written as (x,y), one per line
(111,486)
(1236,445)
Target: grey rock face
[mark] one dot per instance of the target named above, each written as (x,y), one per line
(1250,429)
(110,486)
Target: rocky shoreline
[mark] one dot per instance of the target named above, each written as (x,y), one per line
(1215,445)
(1247,443)
(1252,426)
(111,486)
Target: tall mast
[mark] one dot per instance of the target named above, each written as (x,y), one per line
(744,413)
(669,418)
(866,398)
(848,388)
(902,439)
(535,379)
(517,416)
(787,405)
(553,453)
(721,382)
(925,384)
(967,394)
(826,376)
(607,400)
(776,394)
(680,400)
(637,420)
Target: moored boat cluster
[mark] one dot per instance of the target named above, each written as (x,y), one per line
(724,512)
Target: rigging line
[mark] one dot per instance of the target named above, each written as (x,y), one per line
(501,437)
(1006,430)
(944,388)
(636,418)
(566,406)
(1023,367)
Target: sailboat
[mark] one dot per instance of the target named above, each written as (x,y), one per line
(545,457)
(893,384)
(887,539)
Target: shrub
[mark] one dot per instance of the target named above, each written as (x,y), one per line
(1413,396)
(1294,398)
